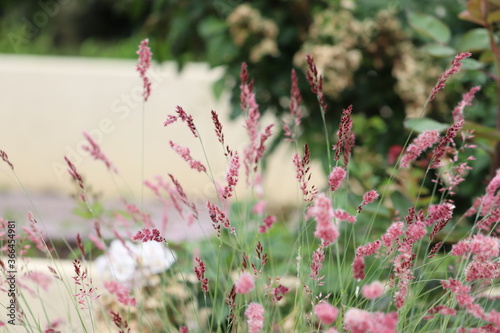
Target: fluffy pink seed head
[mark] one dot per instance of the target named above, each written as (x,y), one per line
(255,315)
(358,267)
(357,321)
(336,177)
(392,233)
(368,249)
(145,54)
(326,313)
(423,141)
(369,197)
(373,290)
(484,246)
(245,284)
(322,211)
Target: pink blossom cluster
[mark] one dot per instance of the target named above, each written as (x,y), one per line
(74,173)
(121,292)
(5,158)
(488,205)
(245,284)
(255,149)
(295,99)
(185,153)
(218,127)
(279,292)
(145,54)
(361,321)
(182,115)
(345,136)
(326,313)
(85,290)
(303,175)
(322,212)
(315,82)
(440,149)
(455,67)
(439,215)
(231,176)
(373,290)
(96,153)
(465,300)
(317,263)
(392,233)
(358,264)
(368,197)
(218,218)
(268,223)
(255,315)
(458,112)
(485,249)
(147,235)
(342,215)
(336,177)
(450,179)
(35,234)
(200,275)
(423,141)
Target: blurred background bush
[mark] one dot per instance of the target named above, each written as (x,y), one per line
(382,56)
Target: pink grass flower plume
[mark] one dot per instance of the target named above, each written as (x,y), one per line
(5,158)
(185,153)
(255,315)
(95,151)
(148,235)
(423,141)
(121,292)
(231,176)
(322,211)
(455,67)
(373,290)
(326,313)
(336,177)
(145,54)
(245,284)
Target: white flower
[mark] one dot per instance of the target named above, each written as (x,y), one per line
(128,263)
(155,257)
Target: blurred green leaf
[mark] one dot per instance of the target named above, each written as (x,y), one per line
(472,64)
(437,50)
(475,40)
(487,57)
(430,27)
(424,124)
(400,202)
(83,211)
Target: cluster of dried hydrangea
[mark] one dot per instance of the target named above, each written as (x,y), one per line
(334,40)
(339,42)
(246,23)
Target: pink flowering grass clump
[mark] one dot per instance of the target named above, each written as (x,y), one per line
(326,313)
(348,256)
(245,284)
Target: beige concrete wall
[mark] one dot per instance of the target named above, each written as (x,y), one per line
(47,102)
